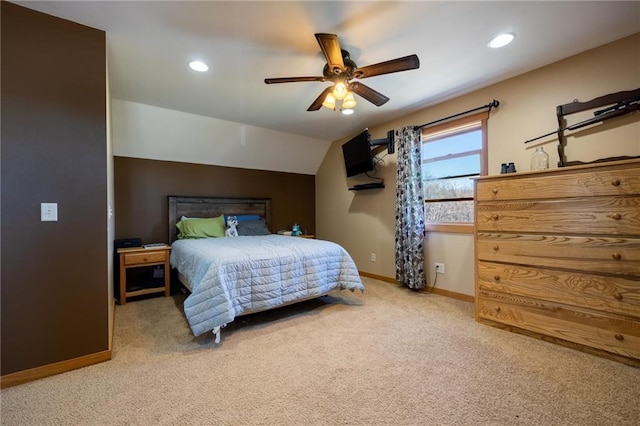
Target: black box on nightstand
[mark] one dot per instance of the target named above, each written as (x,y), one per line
(126,243)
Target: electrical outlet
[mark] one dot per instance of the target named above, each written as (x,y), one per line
(439,268)
(373,257)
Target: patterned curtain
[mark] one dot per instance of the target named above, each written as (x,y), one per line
(409,210)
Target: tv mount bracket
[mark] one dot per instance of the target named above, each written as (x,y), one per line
(388,141)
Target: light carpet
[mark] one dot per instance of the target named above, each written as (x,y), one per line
(389,356)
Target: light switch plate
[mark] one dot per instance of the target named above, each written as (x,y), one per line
(48,212)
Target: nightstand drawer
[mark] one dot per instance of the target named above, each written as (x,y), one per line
(143,258)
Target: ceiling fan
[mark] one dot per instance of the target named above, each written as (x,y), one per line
(341,71)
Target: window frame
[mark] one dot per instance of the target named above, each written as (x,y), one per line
(482,117)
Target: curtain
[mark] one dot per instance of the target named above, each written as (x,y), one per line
(409,210)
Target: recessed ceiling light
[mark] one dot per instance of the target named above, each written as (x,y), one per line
(502,40)
(198,66)
(347,111)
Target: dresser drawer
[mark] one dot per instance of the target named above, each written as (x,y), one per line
(609,333)
(623,180)
(619,256)
(143,258)
(596,215)
(599,292)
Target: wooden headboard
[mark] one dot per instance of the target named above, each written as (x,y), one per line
(212,206)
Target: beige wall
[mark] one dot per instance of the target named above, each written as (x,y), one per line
(363,222)
(154,133)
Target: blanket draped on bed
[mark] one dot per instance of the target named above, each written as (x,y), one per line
(231,275)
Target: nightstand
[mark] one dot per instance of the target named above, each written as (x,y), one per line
(136,257)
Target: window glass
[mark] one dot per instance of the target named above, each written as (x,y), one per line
(460,166)
(452,154)
(449,211)
(439,189)
(447,145)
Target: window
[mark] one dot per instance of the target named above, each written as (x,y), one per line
(453,153)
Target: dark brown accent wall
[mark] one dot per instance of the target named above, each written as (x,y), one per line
(54,274)
(142,187)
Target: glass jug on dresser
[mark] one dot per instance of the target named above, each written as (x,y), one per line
(539,159)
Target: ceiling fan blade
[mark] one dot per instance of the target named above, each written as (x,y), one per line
(292,79)
(368,93)
(331,48)
(320,99)
(410,62)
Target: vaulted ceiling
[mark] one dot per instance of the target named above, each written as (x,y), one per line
(151,42)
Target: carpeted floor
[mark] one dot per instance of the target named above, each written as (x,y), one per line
(389,356)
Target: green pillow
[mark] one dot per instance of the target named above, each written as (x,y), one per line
(201,228)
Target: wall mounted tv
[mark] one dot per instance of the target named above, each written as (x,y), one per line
(358,155)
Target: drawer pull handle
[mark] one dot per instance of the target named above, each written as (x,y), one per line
(496,248)
(619,337)
(494,190)
(496,277)
(144,259)
(497,308)
(616,216)
(616,256)
(495,217)
(617,296)
(615,182)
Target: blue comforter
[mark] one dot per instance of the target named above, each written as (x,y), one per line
(232,275)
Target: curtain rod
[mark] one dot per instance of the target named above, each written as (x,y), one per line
(492,104)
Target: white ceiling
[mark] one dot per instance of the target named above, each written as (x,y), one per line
(151,42)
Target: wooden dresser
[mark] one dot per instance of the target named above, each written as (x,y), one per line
(558,256)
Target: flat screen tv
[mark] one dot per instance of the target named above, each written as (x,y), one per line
(357,153)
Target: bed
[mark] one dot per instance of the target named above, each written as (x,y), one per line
(232,276)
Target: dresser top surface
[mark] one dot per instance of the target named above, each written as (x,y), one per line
(570,169)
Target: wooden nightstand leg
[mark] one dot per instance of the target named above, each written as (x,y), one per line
(167,281)
(123,281)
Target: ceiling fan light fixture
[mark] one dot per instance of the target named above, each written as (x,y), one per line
(340,91)
(341,71)
(349,102)
(329,102)
(198,66)
(501,40)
